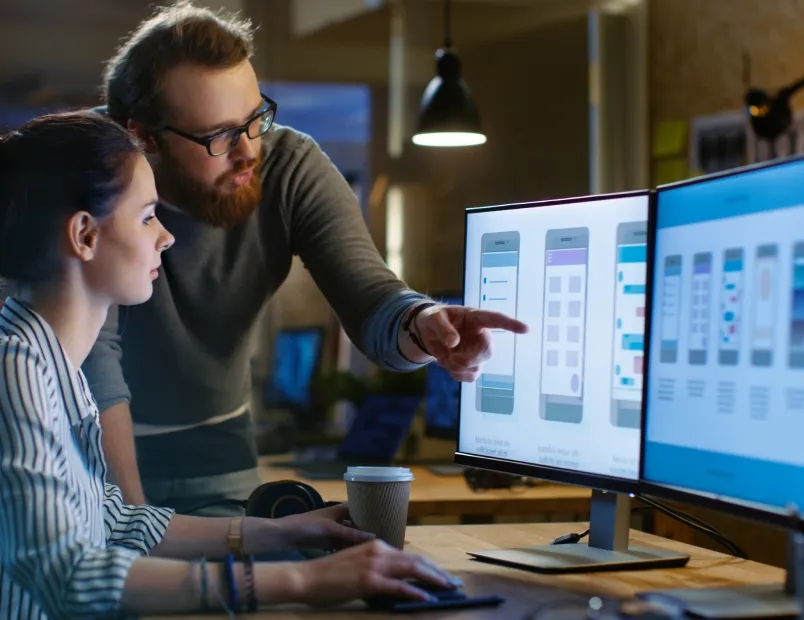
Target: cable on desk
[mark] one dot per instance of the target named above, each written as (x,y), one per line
(576,537)
(570,539)
(674,513)
(696,524)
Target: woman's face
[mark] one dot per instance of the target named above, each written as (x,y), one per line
(130,243)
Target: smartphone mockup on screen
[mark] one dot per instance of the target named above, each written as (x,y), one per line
(765,284)
(670,321)
(629,324)
(796,355)
(731,306)
(499,281)
(564,325)
(700,307)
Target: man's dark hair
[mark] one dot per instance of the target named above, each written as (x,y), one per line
(51,168)
(176,34)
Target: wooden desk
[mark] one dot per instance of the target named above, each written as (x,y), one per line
(525,591)
(432,495)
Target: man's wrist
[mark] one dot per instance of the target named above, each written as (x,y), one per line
(384,337)
(413,351)
(412,329)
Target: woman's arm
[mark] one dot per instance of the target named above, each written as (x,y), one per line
(137,527)
(158,586)
(162,533)
(161,586)
(191,537)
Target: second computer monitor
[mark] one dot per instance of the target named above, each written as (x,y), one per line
(725,404)
(724,398)
(563,400)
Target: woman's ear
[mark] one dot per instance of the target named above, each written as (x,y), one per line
(144,135)
(82,233)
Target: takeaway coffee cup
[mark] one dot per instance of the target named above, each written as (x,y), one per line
(378,501)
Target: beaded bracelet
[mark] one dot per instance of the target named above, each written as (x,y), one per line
(248,565)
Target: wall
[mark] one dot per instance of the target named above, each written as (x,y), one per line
(532,96)
(696,49)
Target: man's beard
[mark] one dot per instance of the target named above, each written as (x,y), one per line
(209,205)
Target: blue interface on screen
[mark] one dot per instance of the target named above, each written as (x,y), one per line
(568,393)
(295,360)
(443,392)
(725,402)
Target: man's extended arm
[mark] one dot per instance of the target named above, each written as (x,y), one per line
(330,236)
(104,373)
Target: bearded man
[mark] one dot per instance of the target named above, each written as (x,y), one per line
(242,196)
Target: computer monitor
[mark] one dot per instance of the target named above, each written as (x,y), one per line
(297,356)
(724,401)
(442,393)
(561,402)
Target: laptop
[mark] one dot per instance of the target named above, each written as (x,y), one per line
(374,438)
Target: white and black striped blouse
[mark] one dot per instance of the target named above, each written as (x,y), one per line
(67,541)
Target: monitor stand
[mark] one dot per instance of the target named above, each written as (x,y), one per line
(607,550)
(766,600)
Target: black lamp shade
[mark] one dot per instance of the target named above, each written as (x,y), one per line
(448,115)
(770,116)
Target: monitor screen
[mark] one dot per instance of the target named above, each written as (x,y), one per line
(297,353)
(442,393)
(725,397)
(567,394)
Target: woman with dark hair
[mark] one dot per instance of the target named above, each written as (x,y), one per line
(78,233)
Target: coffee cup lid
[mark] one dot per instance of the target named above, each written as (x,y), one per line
(378,474)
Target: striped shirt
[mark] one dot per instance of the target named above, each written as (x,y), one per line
(67,540)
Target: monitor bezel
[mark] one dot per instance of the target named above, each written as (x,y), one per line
(442,432)
(770,515)
(554,474)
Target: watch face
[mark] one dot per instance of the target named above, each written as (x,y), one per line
(234,541)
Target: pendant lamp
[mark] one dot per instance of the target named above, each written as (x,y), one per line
(448,114)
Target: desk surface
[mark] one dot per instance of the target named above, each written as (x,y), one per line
(433,495)
(525,591)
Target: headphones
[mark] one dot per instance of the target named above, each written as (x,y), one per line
(274,500)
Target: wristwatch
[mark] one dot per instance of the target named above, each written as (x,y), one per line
(234,541)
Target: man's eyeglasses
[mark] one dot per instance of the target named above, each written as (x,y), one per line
(224,141)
